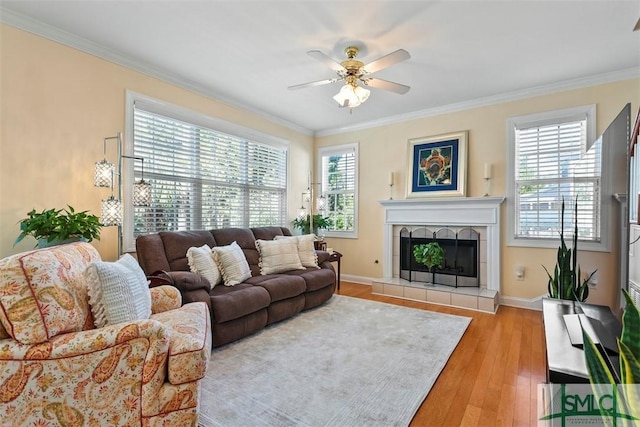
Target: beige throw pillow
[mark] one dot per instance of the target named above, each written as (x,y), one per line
(233,264)
(306,250)
(277,256)
(118,291)
(201,262)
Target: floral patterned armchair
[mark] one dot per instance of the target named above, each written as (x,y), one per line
(58,369)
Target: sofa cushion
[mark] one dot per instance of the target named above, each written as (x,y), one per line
(280,286)
(232,263)
(229,303)
(245,239)
(176,244)
(277,256)
(306,249)
(315,279)
(118,291)
(201,262)
(43,293)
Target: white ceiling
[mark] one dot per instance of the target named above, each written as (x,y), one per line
(248,52)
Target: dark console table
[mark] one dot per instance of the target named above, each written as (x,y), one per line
(565,361)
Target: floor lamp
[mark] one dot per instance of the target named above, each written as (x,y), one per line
(109,175)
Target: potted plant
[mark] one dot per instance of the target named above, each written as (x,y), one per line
(319,221)
(565,282)
(601,376)
(430,254)
(57,226)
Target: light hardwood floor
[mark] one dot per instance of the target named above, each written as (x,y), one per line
(492,376)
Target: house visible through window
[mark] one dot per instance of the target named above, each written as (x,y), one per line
(550,161)
(339,179)
(205,178)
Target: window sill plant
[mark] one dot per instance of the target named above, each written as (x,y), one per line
(319,222)
(56,226)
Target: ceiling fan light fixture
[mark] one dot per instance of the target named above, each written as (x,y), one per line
(351,96)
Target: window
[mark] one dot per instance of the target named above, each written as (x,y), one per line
(204,173)
(339,178)
(552,157)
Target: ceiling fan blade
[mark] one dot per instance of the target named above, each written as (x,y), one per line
(386,61)
(311,84)
(387,85)
(335,66)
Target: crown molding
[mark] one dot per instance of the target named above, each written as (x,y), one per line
(50,32)
(626,74)
(55,34)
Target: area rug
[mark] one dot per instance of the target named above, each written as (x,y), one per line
(349,362)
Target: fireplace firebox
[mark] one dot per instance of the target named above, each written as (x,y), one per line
(462,256)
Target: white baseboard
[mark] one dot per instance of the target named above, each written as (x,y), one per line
(529,304)
(362,280)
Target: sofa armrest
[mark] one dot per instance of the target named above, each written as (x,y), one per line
(88,342)
(187,281)
(165,298)
(190,342)
(322,256)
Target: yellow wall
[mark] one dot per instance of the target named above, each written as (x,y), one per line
(384,149)
(57,105)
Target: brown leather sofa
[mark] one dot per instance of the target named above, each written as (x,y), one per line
(243,309)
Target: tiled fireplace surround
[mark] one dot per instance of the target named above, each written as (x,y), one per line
(480,213)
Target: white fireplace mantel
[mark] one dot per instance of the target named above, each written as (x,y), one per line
(458,211)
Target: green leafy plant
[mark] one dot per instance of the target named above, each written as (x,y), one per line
(600,375)
(429,254)
(565,282)
(319,221)
(59,224)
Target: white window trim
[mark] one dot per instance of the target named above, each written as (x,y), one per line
(568,114)
(180,113)
(340,149)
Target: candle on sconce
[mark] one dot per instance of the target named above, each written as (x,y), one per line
(487,171)
(390,178)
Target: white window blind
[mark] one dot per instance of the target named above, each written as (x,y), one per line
(204,179)
(339,168)
(552,165)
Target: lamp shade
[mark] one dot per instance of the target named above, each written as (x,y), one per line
(142,193)
(110,212)
(351,96)
(104,174)
(302,212)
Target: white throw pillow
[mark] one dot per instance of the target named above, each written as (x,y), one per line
(231,261)
(277,256)
(118,291)
(306,250)
(201,262)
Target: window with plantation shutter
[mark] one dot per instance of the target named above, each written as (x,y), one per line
(553,159)
(339,180)
(203,177)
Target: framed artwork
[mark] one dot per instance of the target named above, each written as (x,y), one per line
(438,165)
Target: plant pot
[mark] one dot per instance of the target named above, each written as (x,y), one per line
(43,243)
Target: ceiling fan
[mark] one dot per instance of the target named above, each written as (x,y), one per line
(353,71)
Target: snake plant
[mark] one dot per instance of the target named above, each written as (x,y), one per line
(565,282)
(601,377)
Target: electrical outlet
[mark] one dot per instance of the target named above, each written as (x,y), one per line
(593,281)
(519,272)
